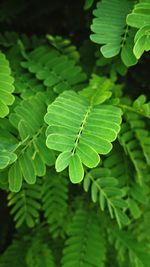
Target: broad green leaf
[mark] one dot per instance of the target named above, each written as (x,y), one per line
(76,171)
(127,55)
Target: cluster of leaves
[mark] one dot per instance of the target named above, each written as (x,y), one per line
(115,27)
(74,147)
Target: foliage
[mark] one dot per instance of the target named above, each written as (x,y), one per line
(74,136)
(114,27)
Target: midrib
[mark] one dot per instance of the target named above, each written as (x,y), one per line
(81,128)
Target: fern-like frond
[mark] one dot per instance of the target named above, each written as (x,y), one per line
(39,254)
(54,69)
(136,142)
(141,228)
(25,204)
(27,85)
(8,39)
(14,255)
(105,190)
(85,245)
(6,86)
(81,130)
(64,46)
(111,31)
(128,247)
(54,198)
(34,155)
(121,168)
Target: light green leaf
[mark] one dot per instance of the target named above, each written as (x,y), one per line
(76,171)
(142,44)
(63,161)
(140,15)
(88,155)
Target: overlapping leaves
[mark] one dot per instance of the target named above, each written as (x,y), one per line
(140,18)
(34,155)
(55,70)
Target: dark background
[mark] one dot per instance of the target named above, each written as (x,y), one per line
(66,18)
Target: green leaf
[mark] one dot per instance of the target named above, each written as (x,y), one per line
(76,171)
(142,44)
(135,211)
(127,55)
(27,169)
(88,155)
(88,4)
(15,177)
(63,161)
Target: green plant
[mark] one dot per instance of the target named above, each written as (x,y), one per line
(75,142)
